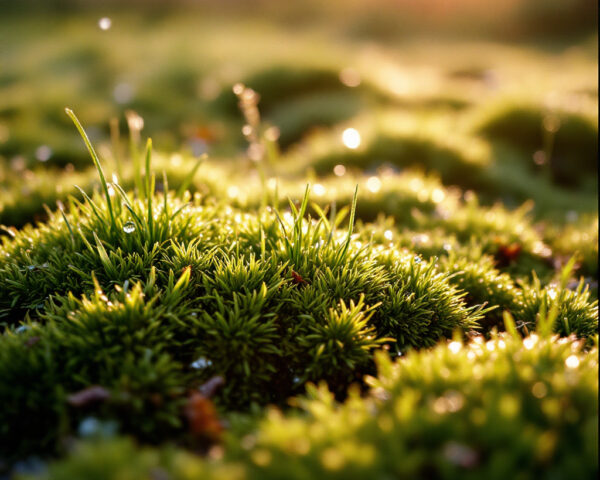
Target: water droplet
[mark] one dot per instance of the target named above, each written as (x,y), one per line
(319,190)
(350,77)
(43,153)
(272,134)
(92,427)
(339,170)
(374,184)
(89,426)
(129,227)
(201,363)
(572,361)
(123,93)
(351,138)
(233,191)
(104,23)
(572,216)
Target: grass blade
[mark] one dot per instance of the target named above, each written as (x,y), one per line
(96,160)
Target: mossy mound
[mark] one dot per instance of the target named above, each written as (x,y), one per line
(568,139)
(523,408)
(147,297)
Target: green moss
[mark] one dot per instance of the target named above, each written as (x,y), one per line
(508,406)
(136,298)
(267,301)
(576,313)
(569,138)
(484,284)
(426,416)
(279,84)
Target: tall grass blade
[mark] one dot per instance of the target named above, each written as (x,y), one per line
(96,160)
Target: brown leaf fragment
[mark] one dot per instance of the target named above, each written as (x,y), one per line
(297,278)
(508,254)
(202,417)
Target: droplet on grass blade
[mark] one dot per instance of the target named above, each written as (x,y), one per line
(129,227)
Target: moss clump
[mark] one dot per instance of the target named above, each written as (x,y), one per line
(280,84)
(427,417)
(148,296)
(507,406)
(576,313)
(458,160)
(569,138)
(484,284)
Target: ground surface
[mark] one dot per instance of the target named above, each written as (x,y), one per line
(145,333)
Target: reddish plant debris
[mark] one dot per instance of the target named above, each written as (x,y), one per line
(508,254)
(297,279)
(202,417)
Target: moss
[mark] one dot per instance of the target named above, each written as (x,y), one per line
(569,138)
(426,416)
(268,301)
(576,313)
(145,328)
(457,161)
(484,284)
(279,84)
(423,416)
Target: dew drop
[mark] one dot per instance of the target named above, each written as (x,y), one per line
(43,153)
(129,227)
(89,426)
(572,361)
(339,170)
(105,23)
(201,363)
(374,184)
(351,138)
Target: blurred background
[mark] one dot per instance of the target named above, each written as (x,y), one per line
(497,97)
